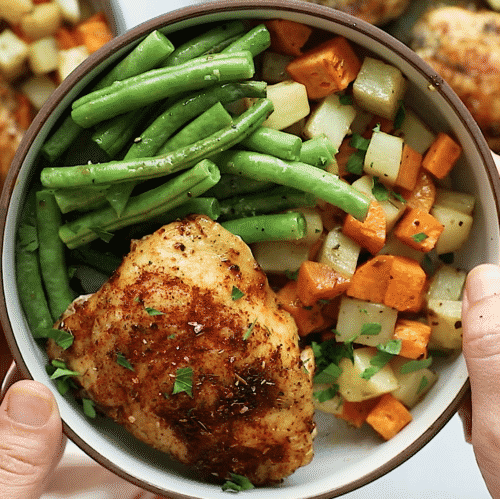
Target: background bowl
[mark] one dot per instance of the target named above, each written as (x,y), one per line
(344,458)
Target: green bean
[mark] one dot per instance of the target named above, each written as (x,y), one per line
(318,151)
(80,199)
(281,227)
(142,169)
(256,41)
(152,86)
(28,273)
(148,54)
(204,43)
(302,176)
(275,200)
(236,185)
(52,254)
(144,206)
(275,142)
(145,56)
(186,108)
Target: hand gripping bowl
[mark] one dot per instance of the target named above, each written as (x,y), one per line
(344,460)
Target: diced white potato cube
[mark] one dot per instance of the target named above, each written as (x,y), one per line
(354,314)
(280,257)
(71,58)
(290,104)
(456,230)
(331,118)
(394,246)
(273,67)
(44,55)
(416,133)
(379,87)
(383,157)
(445,319)
(70,10)
(38,89)
(447,283)
(314,226)
(330,406)
(460,201)
(412,385)
(393,208)
(13,54)
(339,252)
(353,387)
(13,11)
(42,21)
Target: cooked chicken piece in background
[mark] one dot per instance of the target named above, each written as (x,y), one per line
(170,308)
(377,12)
(463,46)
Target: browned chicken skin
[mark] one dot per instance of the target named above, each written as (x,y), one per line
(463,46)
(168,306)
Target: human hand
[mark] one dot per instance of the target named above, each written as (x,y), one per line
(30,440)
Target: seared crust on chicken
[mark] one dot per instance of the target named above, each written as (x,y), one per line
(373,11)
(463,46)
(172,305)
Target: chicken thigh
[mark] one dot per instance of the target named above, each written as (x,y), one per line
(187,347)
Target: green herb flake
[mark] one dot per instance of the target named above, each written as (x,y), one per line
(236,293)
(329,374)
(122,361)
(355,163)
(378,361)
(292,274)
(63,372)
(398,196)
(377,127)
(379,190)
(423,383)
(359,142)
(400,116)
(421,236)
(248,332)
(183,381)
(415,365)
(326,394)
(392,347)
(62,338)
(371,328)
(89,408)
(153,311)
(237,483)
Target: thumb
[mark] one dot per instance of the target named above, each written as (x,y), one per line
(30,440)
(481,348)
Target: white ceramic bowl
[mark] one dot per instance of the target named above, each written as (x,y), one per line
(345,459)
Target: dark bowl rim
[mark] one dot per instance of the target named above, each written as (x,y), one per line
(210,8)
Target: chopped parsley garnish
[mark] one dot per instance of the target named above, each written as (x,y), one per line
(421,236)
(329,374)
(237,483)
(61,372)
(355,163)
(326,394)
(423,383)
(236,293)
(153,311)
(400,116)
(385,353)
(398,196)
(248,332)
(64,339)
(183,381)
(376,128)
(415,365)
(122,361)
(359,142)
(88,408)
(371,328)
(379,190)
(292,274)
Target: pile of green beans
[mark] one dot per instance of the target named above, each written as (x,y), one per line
(166,119)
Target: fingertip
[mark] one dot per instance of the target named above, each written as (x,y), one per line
(482,282)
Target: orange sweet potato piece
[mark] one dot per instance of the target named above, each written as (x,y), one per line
(414,336)
(317,281)
(406,285)
(355,413)
(23,114)
(95,32)
(419,229)
(388,417)
(327,68)
(307,318)
(423,194)
(67,38)
(371,232)
(442,155)
(411,161)
(288,37)
(370,280)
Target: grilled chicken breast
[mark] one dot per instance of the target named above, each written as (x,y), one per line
(169,349)
(463,46)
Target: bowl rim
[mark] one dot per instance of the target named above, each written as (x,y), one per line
(188,14)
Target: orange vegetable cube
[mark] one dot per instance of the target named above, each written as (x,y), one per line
(288,37)
(419,229)
(67,39)
(414,336)
(327,68)
(317,281)
(406,285)
(355,413)
(411,161)
(423,194)
(23,113)
(307,318)
(442,155)
(388,417)
(371,232)
(95,32)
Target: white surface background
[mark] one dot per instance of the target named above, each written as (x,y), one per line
(446,467)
